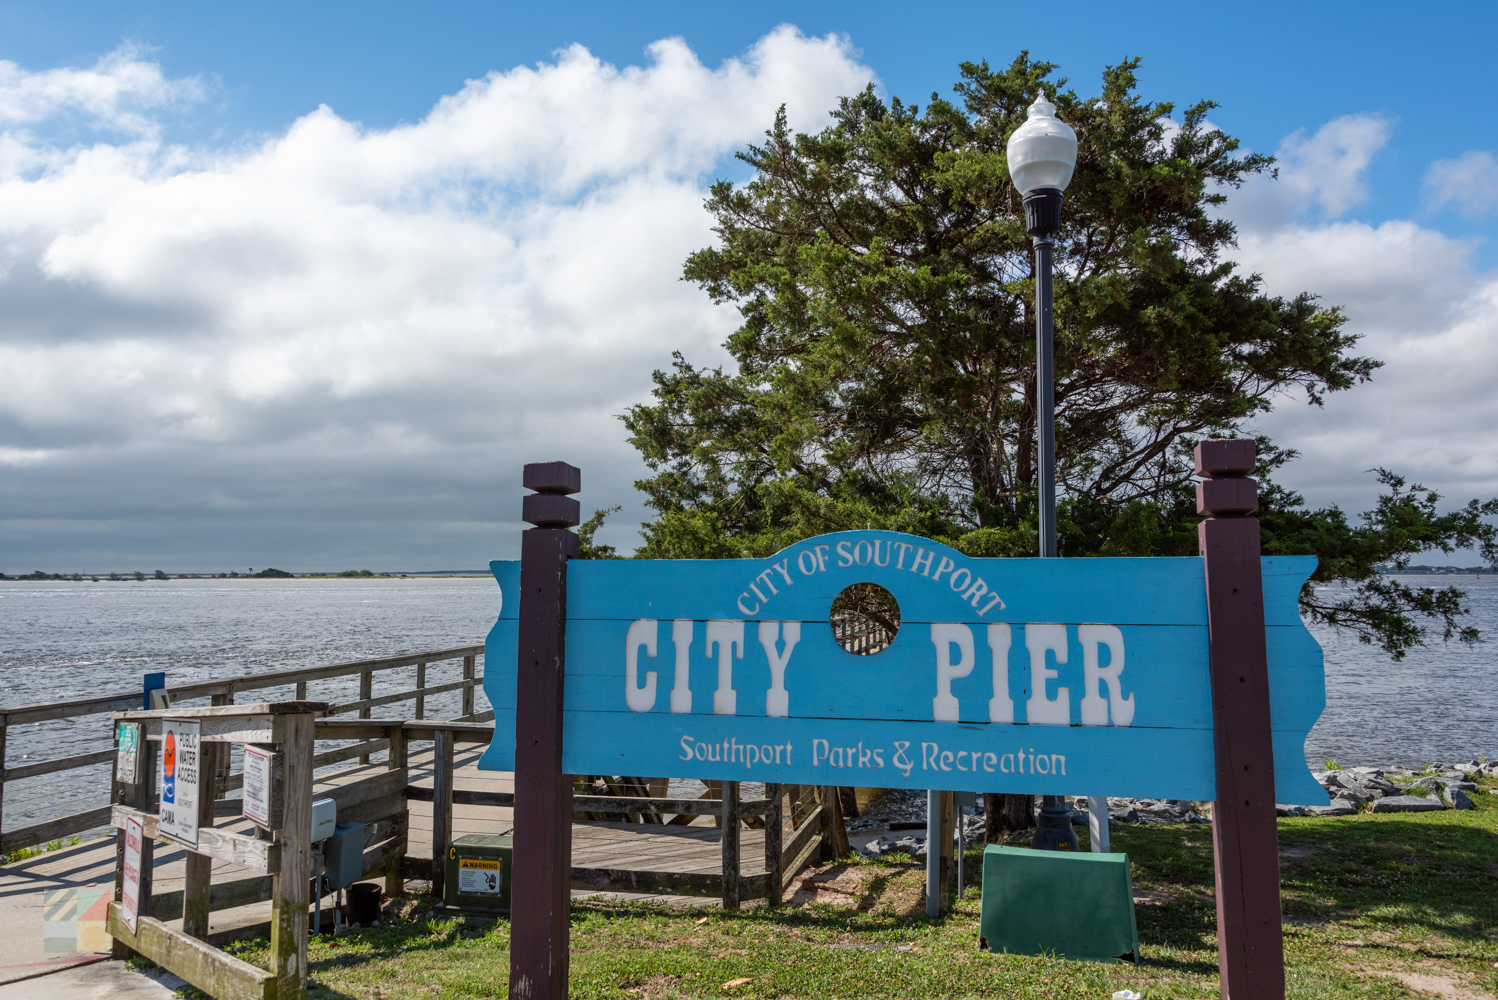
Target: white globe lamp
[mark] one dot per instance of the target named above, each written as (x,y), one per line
(1042,156)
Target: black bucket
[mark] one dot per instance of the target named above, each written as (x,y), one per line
(364,903)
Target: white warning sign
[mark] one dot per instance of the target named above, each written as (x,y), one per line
(130,891)
(257,779)
(484,876)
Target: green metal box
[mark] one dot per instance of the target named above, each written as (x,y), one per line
(478,873)
(1058,903)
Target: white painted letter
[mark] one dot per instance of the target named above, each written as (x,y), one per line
(1040,710)
(1000,706)
(681,638)
(777,699)
(942,567)
(729,637)
(944,705)
(1094,708)
(641,633)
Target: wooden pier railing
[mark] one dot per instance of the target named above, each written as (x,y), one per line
(813,819)
(378,798)
(222,691)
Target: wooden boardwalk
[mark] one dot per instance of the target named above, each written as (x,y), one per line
(630,846)
(624,846)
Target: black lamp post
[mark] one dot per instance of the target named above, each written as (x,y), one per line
(1042,154)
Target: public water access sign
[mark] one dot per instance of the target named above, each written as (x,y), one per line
(1040,676)
(178,778)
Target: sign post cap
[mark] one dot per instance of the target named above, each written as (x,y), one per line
(1226,457)
(553,477)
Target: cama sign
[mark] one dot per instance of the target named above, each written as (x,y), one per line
(1040,676)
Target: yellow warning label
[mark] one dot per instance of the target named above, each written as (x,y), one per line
(486,864)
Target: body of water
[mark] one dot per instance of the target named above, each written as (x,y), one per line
(68,640)
(1440,703)
(61,640)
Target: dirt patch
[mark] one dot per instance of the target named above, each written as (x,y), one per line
(1438,986)
(1147,898)
(865,888)
(1299,852)
(657,986)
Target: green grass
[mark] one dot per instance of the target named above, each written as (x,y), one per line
(33,852)
(1367,899)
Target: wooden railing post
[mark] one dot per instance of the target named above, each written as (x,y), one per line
(1250,946)
(366,692)
(442,807)
(146,797)
(3,728)
(945,838)
(421,686)
(541,891)
(125,790)
(395,883)
(468,665)
(291,888)
(834,832)
(774,836)
(196,884)
(224,759)
(731,896)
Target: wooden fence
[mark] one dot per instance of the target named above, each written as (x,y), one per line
(379,801)
(222,692)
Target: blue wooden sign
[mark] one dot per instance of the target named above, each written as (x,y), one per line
(1040,676)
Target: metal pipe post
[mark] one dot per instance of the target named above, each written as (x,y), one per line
(1045,398)
(1052,807)
(961,849)
(933,854)
(1097,823)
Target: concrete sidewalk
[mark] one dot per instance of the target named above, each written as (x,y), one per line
(107,980)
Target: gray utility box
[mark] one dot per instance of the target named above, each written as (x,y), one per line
(478,873)
(343,857)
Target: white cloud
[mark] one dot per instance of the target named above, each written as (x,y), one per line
(1469,183)
(117,94)
(1419,302)
(491,284)
(23,456)
(1325,171)
(337,346)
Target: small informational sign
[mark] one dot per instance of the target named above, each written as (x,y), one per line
(257,778)
(181,759)
(130,892)
(480,876)
(127,751)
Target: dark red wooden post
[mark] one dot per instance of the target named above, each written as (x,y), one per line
(541,890)
(1250,948)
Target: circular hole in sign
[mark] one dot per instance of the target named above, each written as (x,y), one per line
(865,618)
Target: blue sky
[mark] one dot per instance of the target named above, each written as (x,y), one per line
(1274,67)
(238,329)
